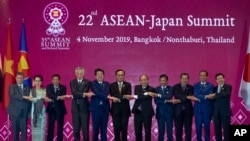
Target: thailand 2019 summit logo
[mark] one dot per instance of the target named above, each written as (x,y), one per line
(55,14)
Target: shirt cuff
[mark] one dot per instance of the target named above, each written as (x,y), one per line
(136,96)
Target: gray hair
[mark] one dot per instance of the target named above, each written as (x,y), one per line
(79,68)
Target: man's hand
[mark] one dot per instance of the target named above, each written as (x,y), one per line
(68,96)
(28,98)
(174,101)
(114,99)
(62,97)
(193,98)
(90,94)
(189,97)
(128,97)
(46,99)
(210,96)
(152,94)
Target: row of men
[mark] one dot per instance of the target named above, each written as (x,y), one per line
(174,105)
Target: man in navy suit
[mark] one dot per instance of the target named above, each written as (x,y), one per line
(99,105)
(56,109)
(203,106)
(143,108)
(19,107)
(120,111)
(221,107)
(164,109)
(183,109)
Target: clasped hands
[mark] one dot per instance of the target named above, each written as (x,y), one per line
(115,99)
(46,99)
(210,96)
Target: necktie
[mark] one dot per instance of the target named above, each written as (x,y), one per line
(183,88)
(120,86)
(202,85)
(21,87)
(79,82)
(55,89)
(164,90)
(219,88)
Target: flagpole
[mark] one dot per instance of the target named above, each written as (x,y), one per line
(8,127)
(8,116)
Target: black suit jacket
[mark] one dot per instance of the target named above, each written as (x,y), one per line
(123,105)
(78,100)
(17,103)
(221,101)
(185,103)
(144,100)
(57,106)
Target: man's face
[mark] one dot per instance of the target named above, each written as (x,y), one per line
(120,76)
(55,81)
(79,74)
(203,76)
(184,79)
(144,80)
(163,81)
(19,79)
(220,80)
(99,76)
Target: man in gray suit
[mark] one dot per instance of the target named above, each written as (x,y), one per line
(19,107)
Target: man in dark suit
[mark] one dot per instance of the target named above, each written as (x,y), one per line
(120,111)
(80,104)
(143,109)
(99,105)
(221,107)
(164,109)
(203,106)
(56,109)
(19,107)
(183,109)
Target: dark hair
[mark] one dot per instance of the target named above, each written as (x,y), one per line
(38,76)
(56,75)
(164,75)
(20,73)
(218,74)
(119,70)
(204,71)
(184,73)
(99,69)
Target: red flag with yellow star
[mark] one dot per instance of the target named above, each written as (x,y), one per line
(8,68)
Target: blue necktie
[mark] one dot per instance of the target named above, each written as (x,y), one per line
(164,90)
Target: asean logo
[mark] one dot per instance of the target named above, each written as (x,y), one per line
(55,14)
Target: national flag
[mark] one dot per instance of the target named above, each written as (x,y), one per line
(8,68)
(244,90)
(23,63)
